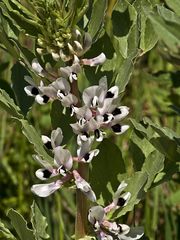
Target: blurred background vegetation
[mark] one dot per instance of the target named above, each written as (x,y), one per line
(153,91)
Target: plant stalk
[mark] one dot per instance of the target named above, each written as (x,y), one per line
(81,224)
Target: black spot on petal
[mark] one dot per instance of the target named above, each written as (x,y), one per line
(45,98)
(116,128)
(35,91)
(63,168)
(85,134)
(120,229)
(121,202)
(106,117)
(97,133)
(109,94)
(48,145)
(46,173)
(116,111)
(86,156)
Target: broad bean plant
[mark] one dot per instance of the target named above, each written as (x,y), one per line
(77,57)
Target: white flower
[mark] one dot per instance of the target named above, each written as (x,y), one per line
(44,190)
(100,59)
(55,140)
(84,186)
(63,157)
(84,152)
(119,199)
(37,67)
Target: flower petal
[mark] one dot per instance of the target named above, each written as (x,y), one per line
(56,137)
(63,157)
(37,67)
(46,141)
(100,59)
(31,91)
(84,186)
(41,99)
(96,213)
(45,174)
(119,129)
(44,190)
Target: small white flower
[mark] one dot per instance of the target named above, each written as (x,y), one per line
(84,153)
(44,190)
(55,140)
(84,186)
(100,59)
(63,157)
(37,67)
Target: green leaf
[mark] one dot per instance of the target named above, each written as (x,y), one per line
(59,119)
(23,21)
(5,233)
(125,15)
(6,86)
(148,35)
(124,73)
(97,17)
(162,131)
(154,164)
(105,169)
(8,45)
(174,5)
(39,223)
(168,15)
(20,225)
(17,78)
(32,135)
(140,148)
(8,104)
(28,130)
(167,32)
(136,183)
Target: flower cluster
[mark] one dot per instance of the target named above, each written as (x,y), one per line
(107,230)
(60,170)
(98,111)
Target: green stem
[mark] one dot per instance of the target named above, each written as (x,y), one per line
(81,225)
(110,7)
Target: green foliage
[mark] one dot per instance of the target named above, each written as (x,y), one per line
(141,41)
(105,170)
(19,224)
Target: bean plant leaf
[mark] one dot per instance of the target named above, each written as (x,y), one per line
(8,104)
(148,36)
(62,120)
(39,223)
(7,43)
(174,5)
(136,183)
(140,148)
(17,78)
(168,33)
(105,170)
(97,16)
(5,233)
(20,225)
(32,135)
(166,141)
(154,164)
(29,131)
(6,86)
(21,18)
